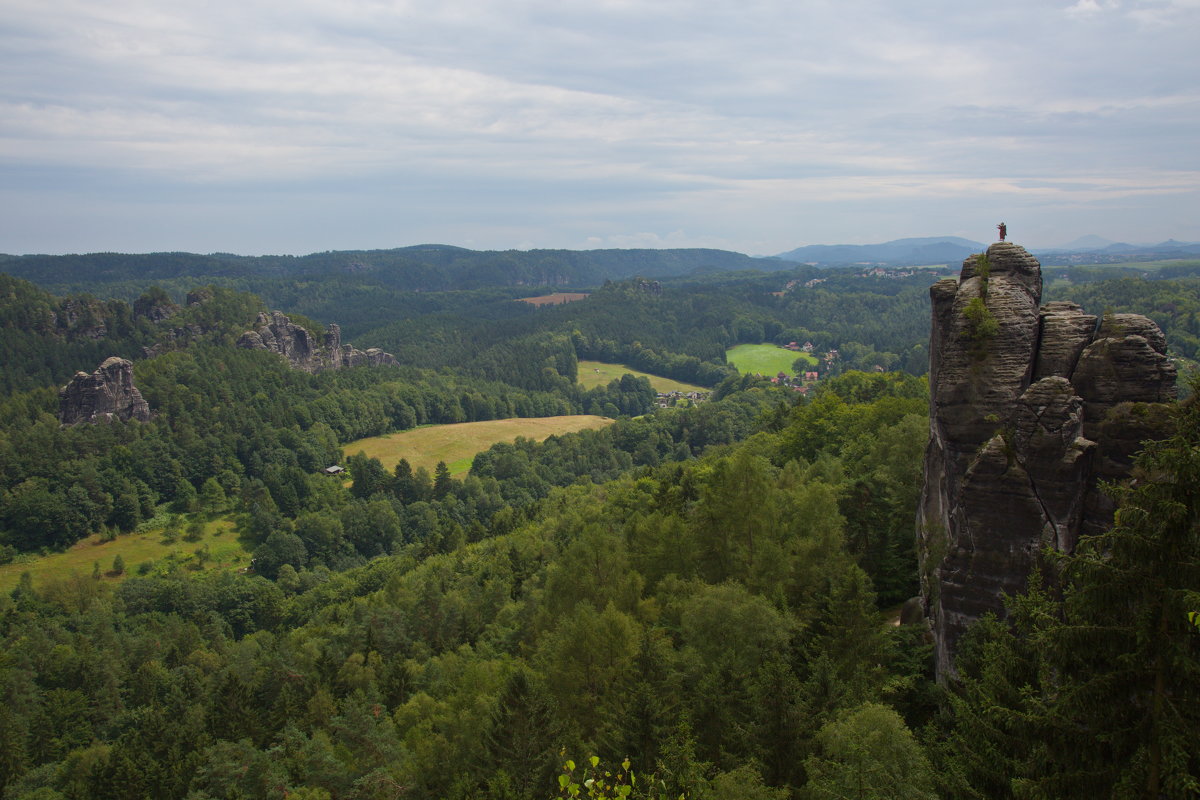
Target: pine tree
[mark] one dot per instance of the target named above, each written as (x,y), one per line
(13,757)
(999,701)
(1128,657)
(518,736)
(442,482)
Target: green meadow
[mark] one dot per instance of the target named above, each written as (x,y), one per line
(599,373)
(218,539)
(765,359)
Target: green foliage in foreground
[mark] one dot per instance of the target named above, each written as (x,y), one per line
(712,619)
(702,617)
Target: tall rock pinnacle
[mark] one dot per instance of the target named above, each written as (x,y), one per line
(107,394)
(1029,410)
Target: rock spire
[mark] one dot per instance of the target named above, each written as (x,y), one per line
(1030,408)
(107,394)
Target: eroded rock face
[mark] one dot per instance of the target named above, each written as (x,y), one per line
(277,333)
(1030,408)
(154,308)
(107,394)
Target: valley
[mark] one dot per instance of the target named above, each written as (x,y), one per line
(191,607)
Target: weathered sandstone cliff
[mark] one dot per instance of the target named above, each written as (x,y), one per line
(1030,408)
(277,333)
(105,395)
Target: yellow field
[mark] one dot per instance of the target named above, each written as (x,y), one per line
(225,551)
(556,299)
(458,444)
(598,373)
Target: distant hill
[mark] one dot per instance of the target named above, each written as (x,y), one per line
(418,268)
(924,250)
(1089,242)
(1096,250)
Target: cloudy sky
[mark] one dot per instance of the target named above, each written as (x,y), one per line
(293,126)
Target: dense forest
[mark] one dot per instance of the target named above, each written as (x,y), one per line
(688,602)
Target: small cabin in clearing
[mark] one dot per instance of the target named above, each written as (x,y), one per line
(334,470)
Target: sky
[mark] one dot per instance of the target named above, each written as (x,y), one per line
(298,126)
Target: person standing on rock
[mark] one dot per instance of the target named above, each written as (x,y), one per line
(1003,230)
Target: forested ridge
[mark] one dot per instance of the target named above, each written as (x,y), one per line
(696,590)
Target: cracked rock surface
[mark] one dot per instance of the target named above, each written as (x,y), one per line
(105,395)
(1028,414)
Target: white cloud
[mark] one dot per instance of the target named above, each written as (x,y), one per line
(649,119)
(1084,8)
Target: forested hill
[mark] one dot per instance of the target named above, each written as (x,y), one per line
(418,268)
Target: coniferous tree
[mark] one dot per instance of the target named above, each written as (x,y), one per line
(1128,657)
(443,484)
(13,757)
(519,736)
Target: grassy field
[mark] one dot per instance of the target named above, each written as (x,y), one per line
(224,549)
(556,299)
(598,373)
(458,444)
(765,359)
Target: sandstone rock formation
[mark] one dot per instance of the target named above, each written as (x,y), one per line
(198,297)
(155,306)
(1030,408)
(277,333)
(81,318)
(107,394)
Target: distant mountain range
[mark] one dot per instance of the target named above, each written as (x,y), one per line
(433,267)
(1098,244)
(926,250)
(953,249)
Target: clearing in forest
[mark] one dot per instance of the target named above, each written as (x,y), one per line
(765,359)
(600,373)
(223,548)
(457,444)
(556,299)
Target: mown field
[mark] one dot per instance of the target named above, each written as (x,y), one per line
(765,359)
(600,373)
(458,444)
(556,299)
(224,551)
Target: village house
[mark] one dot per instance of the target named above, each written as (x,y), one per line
(668,399)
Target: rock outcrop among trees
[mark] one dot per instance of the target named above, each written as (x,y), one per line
(1031,410)
(276,332)
(105,395)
